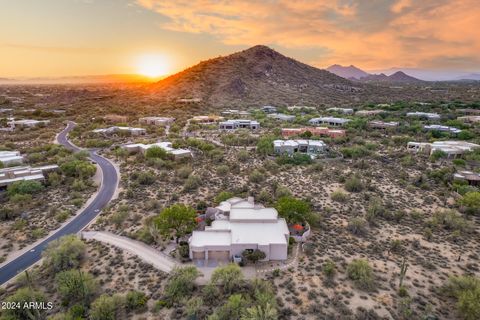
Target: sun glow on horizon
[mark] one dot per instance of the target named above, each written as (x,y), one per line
(153,65)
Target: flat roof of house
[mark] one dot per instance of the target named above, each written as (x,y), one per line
(257,214)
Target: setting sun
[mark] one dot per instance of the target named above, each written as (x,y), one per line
(153,65)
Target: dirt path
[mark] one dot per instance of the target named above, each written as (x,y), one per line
(154,257)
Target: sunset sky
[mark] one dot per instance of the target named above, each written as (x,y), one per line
(86,37)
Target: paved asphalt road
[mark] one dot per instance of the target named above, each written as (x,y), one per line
(105,194)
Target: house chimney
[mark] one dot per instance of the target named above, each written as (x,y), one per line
(251,200)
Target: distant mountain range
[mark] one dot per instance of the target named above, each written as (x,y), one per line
(88,79)
(353,73)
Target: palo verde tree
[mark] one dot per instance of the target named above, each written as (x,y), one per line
(177,219)
(293,210)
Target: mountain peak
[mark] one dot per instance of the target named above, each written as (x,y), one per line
(350,72)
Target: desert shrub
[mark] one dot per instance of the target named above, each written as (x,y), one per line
(64,253)
(265,145)
(223,196)
(106,307)
(192,183)
(357,226)
(232,309)
(339,196)
(471,200)
(144,177)
(466,290)
(24,187)
(211,294)
(361,273)
(449,220)
(243,156)
(228,277)
(135,300)
(253,255)
(329,268)
(75,286)
(222,170)
(256,176)
(354,184)
(155,152)
(23,296)
(181,283)
(78,168)
(184,172)
(296,159)
(355,152)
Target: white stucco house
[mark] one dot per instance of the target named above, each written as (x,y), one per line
(450,148)
(331,121)
(115,129)
(24,173)
(290,147)
(238,124)
(427,115)
(9,158)
(157,121)
(437,127)
(281,116)
(341,110)
(165,145)
(240,225)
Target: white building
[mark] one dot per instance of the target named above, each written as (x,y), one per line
(27,123)
(427,115)
(294,108)
(437,127)
(167,146)
(26,173)
(366,113)
(281,116)
(9,158)
(157,121)
(243,226)
(289,147)
(239,124)
(269,109)
(331,121)
(235,112)
(341,110)
(383,124)
(116,129)
(451,148)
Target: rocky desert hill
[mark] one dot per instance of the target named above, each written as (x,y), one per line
(255,76)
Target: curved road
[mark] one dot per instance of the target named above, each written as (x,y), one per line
(105,194)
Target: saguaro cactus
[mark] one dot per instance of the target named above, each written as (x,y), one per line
(403,270)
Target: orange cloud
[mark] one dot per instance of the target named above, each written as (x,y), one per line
(371,34)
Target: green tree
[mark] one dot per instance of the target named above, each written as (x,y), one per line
(64,253)
(181,283)
(24,187)
(253,256)
(75,286)
(229,277)
(265,145)
(106,307)
(177,219)
(24,296)
(293,210)
(471,200)
(135,300)
(233,309)
(155,152)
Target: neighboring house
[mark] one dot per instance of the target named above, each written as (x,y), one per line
(5,110)
(451,148)
(290,147)
(427,115)
(316,131)
(206,119)
(341,110)
(269,109)
(235,113)
(116,129)
(331,121)
(469,111)
(9,158)
(471,119)
(472,178)
(281,116)
(238,124)
(367,113)
(26,173)
(295,108)
(27,123)
(382,124)
(157,121)
(115,118)
(241,226)
(167,146)
(436,127)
